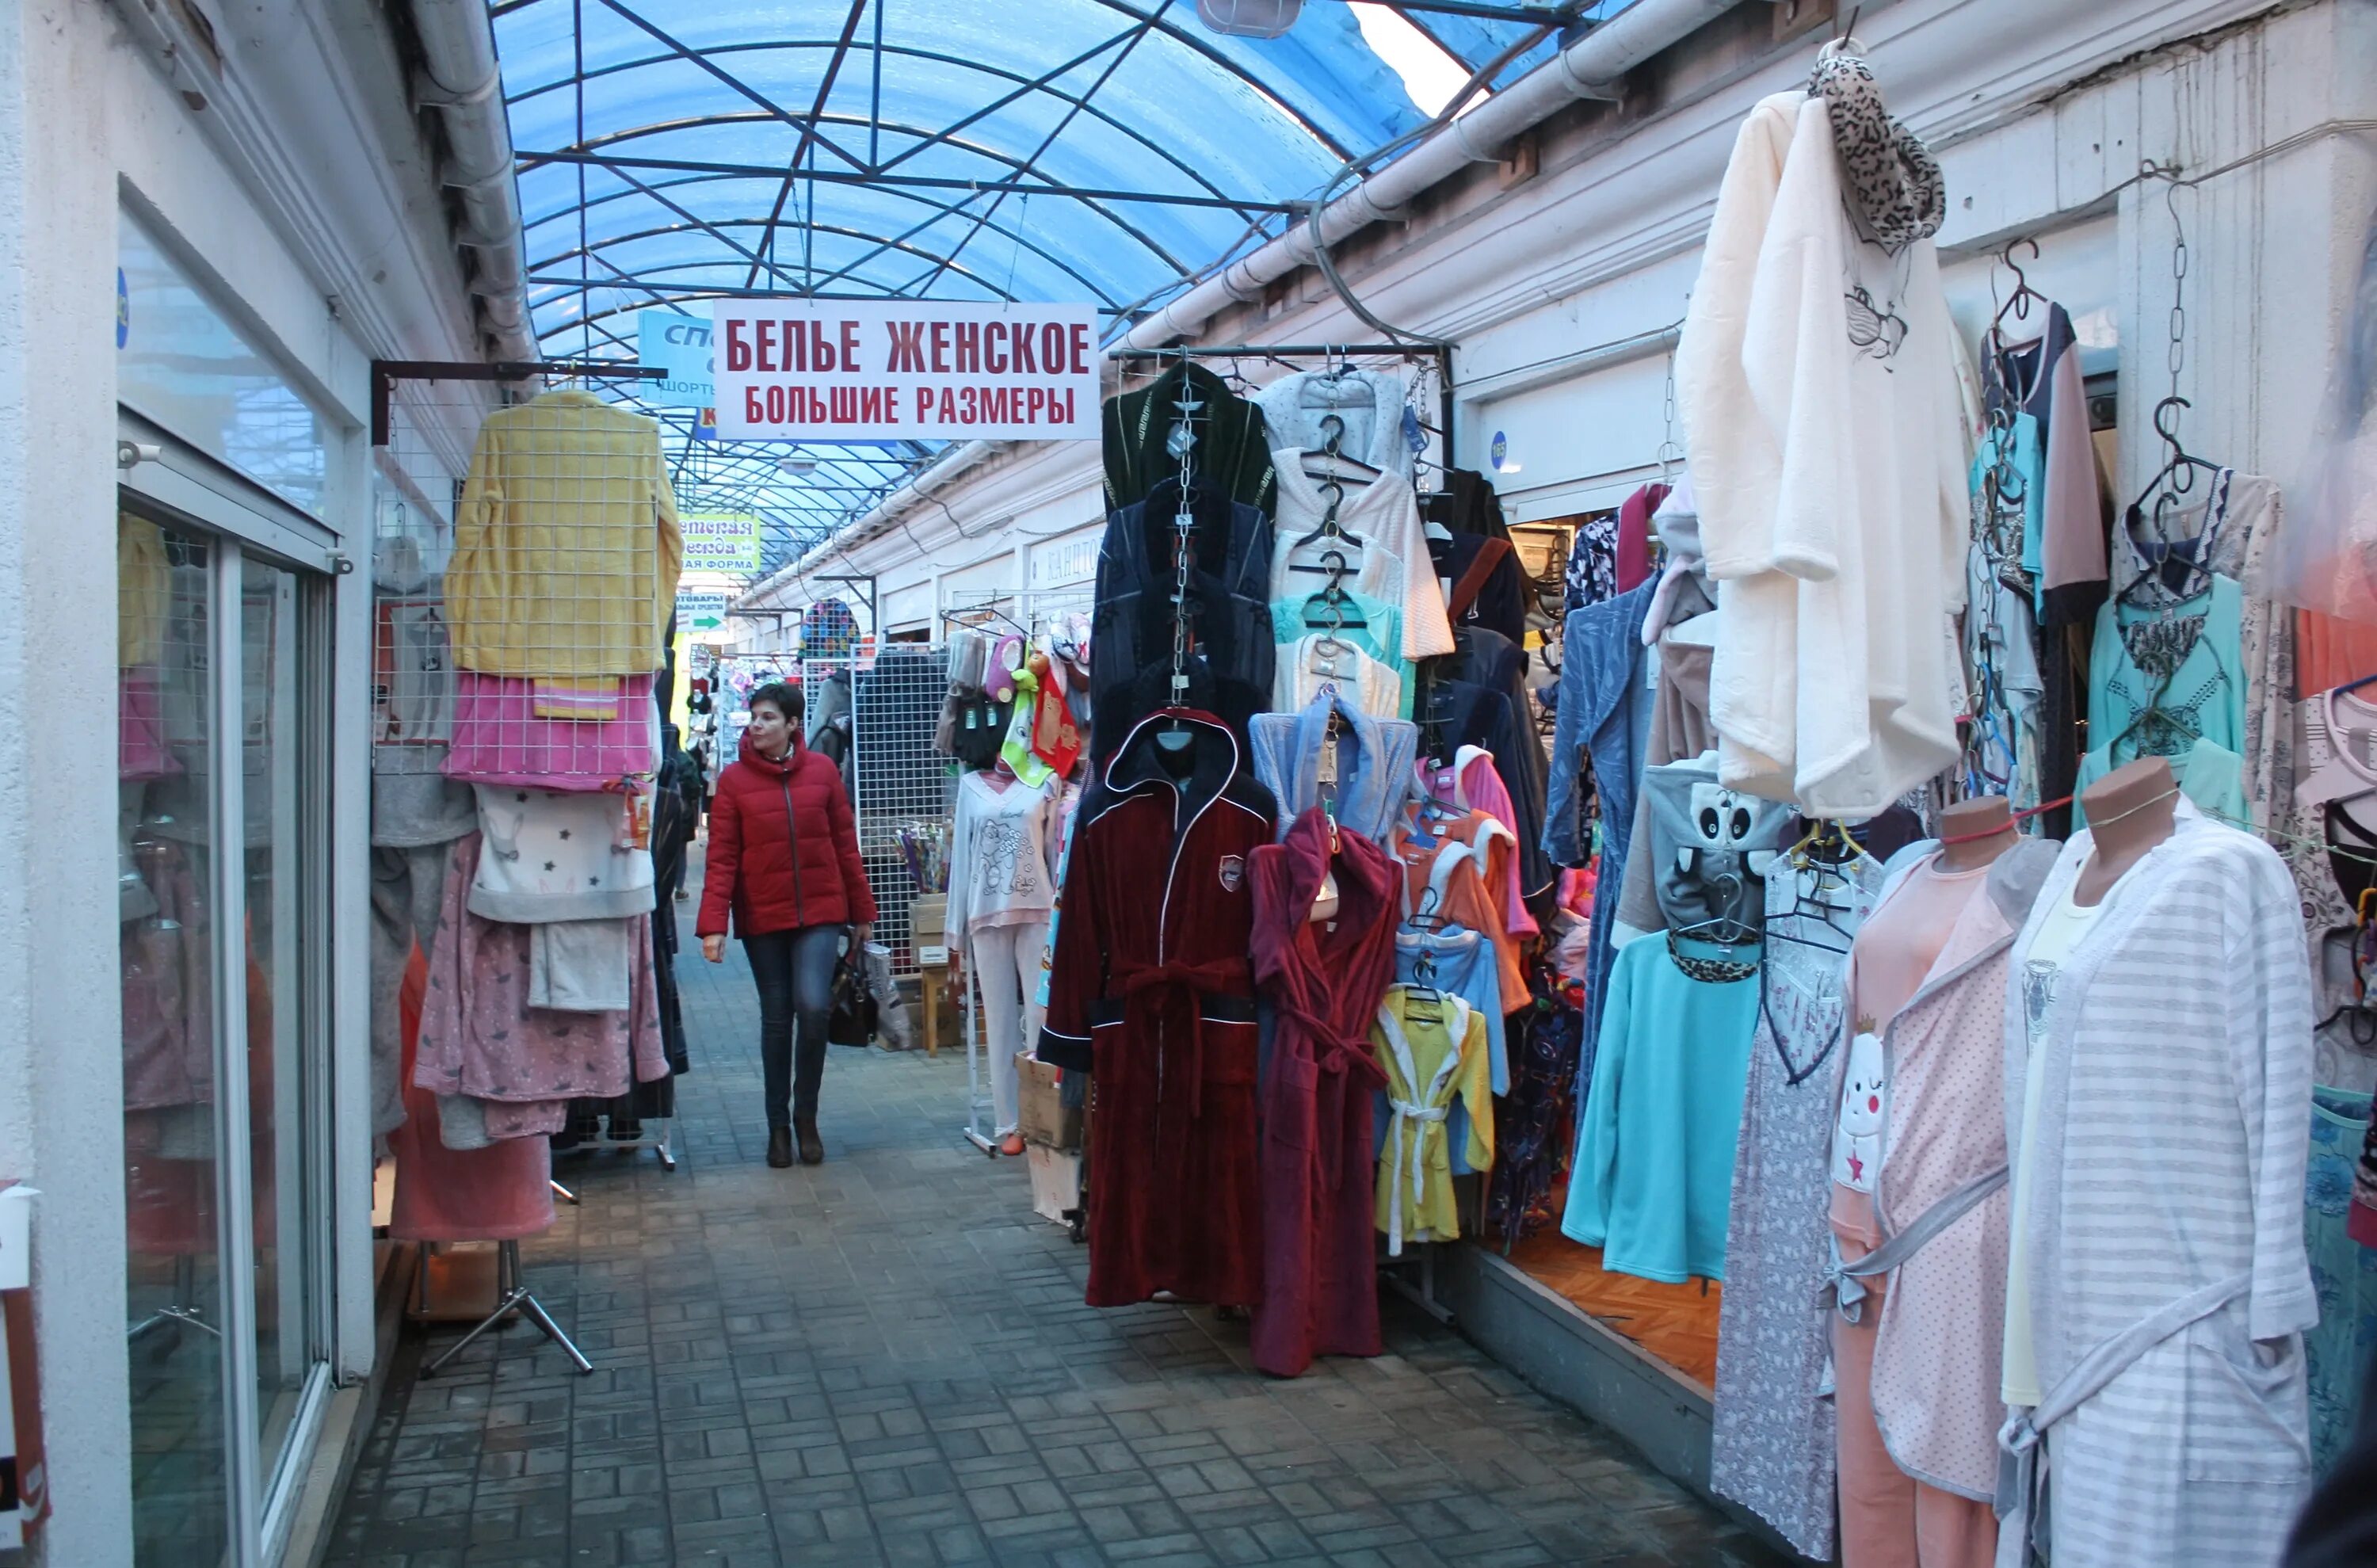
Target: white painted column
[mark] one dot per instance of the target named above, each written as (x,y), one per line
(61,1045)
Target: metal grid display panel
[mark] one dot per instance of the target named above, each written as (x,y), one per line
(416,480)
(895,704)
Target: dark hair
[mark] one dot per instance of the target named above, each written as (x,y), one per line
(782,695)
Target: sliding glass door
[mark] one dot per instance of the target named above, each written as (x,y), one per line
(222,748)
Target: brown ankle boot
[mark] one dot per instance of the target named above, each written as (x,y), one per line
(812,1147)
(780,1146)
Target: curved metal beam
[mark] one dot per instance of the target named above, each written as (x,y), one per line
(1129,44)
(806,128)
(1188,39)
(695,221)
(809,135)
(591,151)
(595,247)
(1173,30)
(1114,122)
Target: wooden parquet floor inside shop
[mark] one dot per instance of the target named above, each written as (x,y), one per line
(1675,1322)
(886,1360)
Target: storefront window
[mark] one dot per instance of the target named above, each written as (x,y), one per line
(181,362)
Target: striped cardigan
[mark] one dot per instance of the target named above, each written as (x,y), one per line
(2170,1156)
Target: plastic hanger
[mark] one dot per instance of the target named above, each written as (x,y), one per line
(2181,466)
(2018,302)
(1420,990)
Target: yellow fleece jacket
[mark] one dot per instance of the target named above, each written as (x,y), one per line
(565,545)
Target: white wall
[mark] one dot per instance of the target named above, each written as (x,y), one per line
(61,1089)
(287,196)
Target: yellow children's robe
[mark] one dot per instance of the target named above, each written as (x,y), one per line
(1431,1052)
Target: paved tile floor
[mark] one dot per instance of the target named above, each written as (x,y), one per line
(886,1360)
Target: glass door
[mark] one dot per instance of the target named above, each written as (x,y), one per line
(167,731)
(222,749)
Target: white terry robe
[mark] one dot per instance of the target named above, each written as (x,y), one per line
(1384,514)
(1733,459)
(2170,1156)
(1818,387)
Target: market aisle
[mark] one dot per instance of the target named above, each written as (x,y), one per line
(886,1360)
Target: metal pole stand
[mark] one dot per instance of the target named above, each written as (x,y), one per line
(977,1059)
(1395,1273)
(658,1143)
(511,1296)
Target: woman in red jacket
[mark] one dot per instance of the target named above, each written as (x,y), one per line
(783,859)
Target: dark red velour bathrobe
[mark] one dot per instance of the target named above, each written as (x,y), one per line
(1151,990)
(1320,1293)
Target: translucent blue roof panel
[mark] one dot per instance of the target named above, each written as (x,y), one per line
(1107,150)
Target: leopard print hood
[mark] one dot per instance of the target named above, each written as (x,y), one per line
(1895,192)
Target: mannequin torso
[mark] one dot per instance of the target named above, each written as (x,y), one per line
(1973,833)
(2129,810)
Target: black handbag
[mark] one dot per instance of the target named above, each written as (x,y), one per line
(851,1022)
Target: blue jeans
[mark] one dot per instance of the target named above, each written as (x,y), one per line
(795,973)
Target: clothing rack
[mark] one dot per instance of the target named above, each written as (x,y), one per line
(1441,353)
(386,373)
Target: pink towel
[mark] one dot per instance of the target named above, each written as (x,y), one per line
(499,739)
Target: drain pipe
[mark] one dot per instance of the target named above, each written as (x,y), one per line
(462,81)
(1588,68)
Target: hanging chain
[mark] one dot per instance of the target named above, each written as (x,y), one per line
(2177,288)
(1184,523)
(1333,424)
(1669,410)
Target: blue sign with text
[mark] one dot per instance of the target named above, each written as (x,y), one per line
(680,345)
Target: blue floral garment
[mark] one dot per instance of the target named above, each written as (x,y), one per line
(2343,1273)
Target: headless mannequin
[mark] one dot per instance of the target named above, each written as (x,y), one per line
(1890,1516)
(2129,810)
(1973,833)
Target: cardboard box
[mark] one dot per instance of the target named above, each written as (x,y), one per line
(1056,1182)
(928,915)
(1043,1120)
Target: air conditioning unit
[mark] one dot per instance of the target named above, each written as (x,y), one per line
(1250,18)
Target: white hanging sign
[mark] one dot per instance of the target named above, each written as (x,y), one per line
(904,370)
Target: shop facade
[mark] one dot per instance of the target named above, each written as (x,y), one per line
(211,236)
(2192,183)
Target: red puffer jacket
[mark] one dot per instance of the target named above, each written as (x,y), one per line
(783,847)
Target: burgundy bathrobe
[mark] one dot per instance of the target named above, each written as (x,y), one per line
(1150,989)
(1320,1293)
